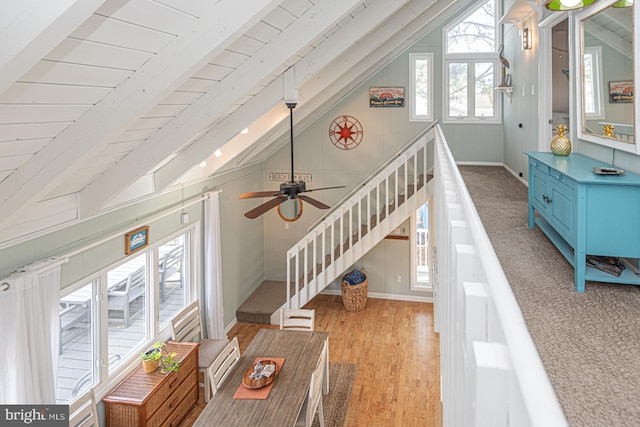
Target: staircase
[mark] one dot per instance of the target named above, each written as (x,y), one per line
(358,223)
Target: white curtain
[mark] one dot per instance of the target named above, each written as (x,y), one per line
(213,304)
(29,333)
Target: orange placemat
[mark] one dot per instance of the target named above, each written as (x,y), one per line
(261,393)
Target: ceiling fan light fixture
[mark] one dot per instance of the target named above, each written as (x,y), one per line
(564,5)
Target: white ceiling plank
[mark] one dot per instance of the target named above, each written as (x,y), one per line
(192,7)
(20,113)
(213,103)
(34,29)
(13,162)
(263,32)
(33,93)
(31,131)
(265,100)
(279,20)
(213,72)
(51,72)
(102,29)
(180,98)
(150,14)
(17,148)
(150,84)
(98,55)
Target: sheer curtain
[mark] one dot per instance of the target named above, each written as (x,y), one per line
(29,334)
(213,304)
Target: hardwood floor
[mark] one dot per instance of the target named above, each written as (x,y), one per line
(397,353)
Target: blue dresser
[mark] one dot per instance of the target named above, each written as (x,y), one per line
(584,213)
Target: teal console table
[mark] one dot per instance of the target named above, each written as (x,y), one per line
(584,213)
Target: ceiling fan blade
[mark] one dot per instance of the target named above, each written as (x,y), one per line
(253,194)
(256,212)
(313,202)
(325,188)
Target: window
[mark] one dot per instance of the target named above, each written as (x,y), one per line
(421,86)
(593,88)
(472,68)
(100,337)
(420,250)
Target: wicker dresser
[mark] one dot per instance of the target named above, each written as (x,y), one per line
(156,399)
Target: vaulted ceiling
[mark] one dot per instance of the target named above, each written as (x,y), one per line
(104,102)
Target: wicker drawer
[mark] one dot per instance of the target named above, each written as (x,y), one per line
(155,399)
(172,401)
(183,408)
(186,369)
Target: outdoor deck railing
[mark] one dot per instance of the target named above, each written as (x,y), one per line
(491,372)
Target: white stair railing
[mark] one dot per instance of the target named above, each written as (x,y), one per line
(491,373)
(351,229)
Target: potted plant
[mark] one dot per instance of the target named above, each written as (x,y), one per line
(158,356)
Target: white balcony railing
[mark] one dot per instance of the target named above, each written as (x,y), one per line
(491,372)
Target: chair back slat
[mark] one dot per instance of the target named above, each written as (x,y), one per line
(84,412)
(297,320)
(315,389)
(223,364)
(187,325)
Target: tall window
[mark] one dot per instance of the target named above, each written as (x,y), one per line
(421,86)
(420,250)
(472,68)
(593,91)
(100,337)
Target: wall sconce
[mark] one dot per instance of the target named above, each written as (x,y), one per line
(526,39)
(561,5)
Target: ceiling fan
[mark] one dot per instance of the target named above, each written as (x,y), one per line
(288,190)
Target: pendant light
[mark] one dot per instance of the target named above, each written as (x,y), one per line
(561,5)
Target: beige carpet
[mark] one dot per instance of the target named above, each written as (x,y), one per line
(589,343)
(342,376)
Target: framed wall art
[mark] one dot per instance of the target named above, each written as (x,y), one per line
(136,240)
(386,96)
(621,92)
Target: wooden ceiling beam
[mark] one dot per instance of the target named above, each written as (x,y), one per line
(266,110)
(268,61)
(216,29)
(30,29)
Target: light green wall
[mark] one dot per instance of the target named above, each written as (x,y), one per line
(242,248)
(386,130)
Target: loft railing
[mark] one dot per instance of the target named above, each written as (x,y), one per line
(353,227)
(491,372)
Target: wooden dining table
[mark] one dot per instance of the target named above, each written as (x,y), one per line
(301,351)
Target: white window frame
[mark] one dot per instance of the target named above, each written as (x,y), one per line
(105,381)
(413,58)
(471,58)
(598,86)
(415,284)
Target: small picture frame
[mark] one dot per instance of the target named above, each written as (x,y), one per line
(621,92)
(386,97)
(136,240)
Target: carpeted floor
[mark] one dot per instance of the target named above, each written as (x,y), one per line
(342,376)
(589,343)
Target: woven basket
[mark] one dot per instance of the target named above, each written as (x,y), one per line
(354,297)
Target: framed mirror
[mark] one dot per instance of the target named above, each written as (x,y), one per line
(290,210)
(606,75)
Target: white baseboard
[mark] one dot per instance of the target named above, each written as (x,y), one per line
(378,295)
(231,325)
(518,177)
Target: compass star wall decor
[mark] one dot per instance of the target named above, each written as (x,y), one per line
(345,132)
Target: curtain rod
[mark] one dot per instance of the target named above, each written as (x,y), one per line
(65,258)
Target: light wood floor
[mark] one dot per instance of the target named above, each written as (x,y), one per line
(397,353)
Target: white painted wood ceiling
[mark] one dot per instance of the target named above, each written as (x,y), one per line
(105,102)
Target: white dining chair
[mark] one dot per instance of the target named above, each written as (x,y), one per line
(297,320)
(313,403)
(224,363)
(84,412)
(187,326)
(304,320)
